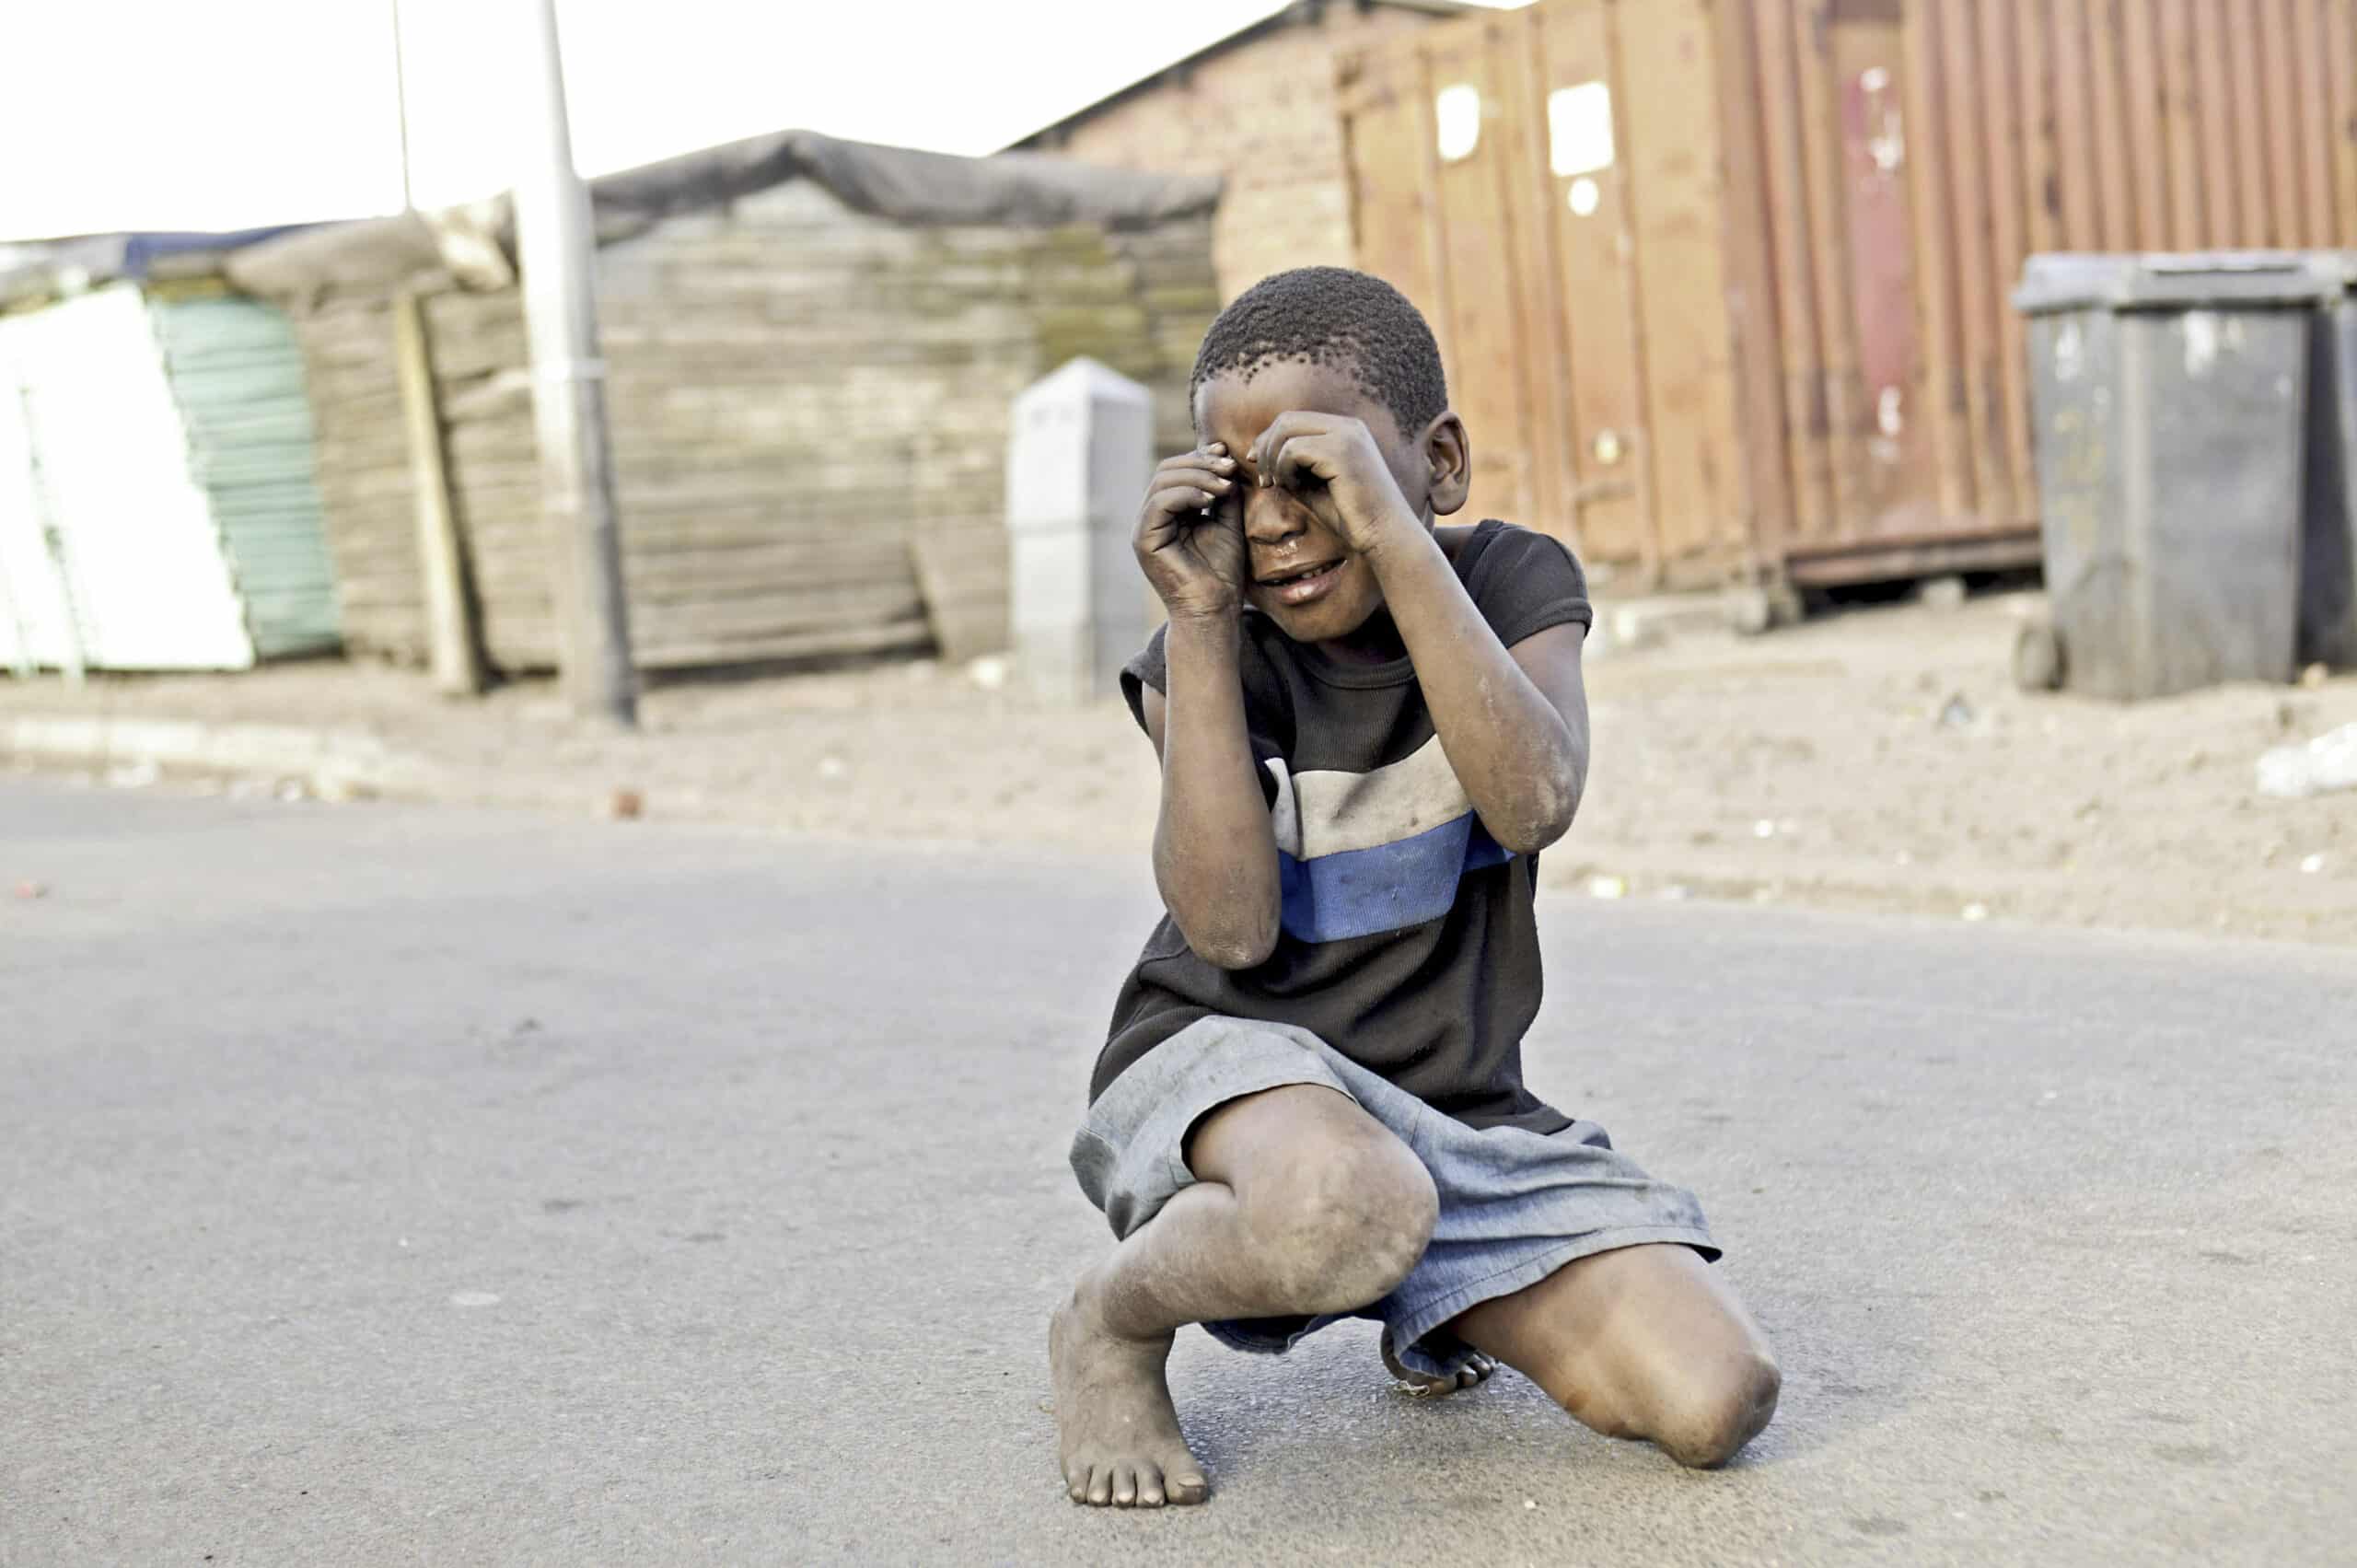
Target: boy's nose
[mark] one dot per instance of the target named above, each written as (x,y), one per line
(1270,516)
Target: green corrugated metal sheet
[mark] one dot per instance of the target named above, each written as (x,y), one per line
(238,376)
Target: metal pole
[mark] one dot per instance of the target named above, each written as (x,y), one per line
(554,237)
(400,104)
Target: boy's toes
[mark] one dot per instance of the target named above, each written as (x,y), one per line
(1475,1369)
(1139,1484)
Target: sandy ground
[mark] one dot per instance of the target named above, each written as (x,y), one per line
(1875,759)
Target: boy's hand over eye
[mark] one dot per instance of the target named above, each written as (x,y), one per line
(1332,464)
(1190,534)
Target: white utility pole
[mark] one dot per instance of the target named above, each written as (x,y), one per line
(556,241)
(400,104)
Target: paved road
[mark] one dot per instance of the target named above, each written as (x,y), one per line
(386,1185)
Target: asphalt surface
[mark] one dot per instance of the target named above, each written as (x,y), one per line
(381,1185)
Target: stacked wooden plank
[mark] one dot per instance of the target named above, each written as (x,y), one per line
(363,475)
(482,389)
(808,404)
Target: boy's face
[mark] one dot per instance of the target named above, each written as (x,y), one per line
(1282,536)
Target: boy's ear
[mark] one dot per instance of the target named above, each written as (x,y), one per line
(1449,456)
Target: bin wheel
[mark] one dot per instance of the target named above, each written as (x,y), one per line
(2038,657)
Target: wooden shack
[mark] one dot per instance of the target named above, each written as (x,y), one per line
(810,347)
(158,506)
(1257,109)
(1723,285)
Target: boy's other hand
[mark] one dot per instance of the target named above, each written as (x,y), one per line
(1190,534)
(1333,464)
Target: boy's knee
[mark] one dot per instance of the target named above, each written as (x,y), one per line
(1705,1420)
(1349,1219)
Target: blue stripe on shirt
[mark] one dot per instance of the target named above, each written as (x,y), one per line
(1364,892)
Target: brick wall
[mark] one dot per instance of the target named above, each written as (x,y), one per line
(1263,115)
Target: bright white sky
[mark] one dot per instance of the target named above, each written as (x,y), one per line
(225,114)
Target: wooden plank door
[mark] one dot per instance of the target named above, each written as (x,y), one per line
(1485,336)
(1900,474)
(1591,247)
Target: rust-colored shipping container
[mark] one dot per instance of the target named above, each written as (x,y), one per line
(1723,285)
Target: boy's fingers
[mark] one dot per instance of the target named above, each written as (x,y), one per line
(1198,479)
(1285,424)
(1304,454)
(1177,504)
(1193,495)
(1283,428)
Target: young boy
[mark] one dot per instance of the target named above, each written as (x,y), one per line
(1311,1107)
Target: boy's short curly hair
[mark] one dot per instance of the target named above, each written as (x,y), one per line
(1332,316)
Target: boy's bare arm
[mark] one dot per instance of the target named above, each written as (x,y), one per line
(1514,722)
(1214,850)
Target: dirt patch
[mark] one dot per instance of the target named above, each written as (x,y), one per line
(1876,760)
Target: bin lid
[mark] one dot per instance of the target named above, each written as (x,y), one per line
(2337,267)
(2173,281)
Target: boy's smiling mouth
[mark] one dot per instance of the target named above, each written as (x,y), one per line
(1299,585)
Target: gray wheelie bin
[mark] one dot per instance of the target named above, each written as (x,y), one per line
(2168,395)
(2329,553)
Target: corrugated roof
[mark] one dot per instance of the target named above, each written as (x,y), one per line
(1298,12)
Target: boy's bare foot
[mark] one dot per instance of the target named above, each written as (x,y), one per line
(1120,1439)
(1477,1369)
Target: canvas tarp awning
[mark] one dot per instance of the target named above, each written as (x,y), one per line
(476,243)
(41,269)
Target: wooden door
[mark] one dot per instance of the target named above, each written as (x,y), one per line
(1589,227)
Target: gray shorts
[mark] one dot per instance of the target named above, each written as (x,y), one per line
(1514,1206)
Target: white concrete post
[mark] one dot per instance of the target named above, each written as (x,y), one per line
(1079,454)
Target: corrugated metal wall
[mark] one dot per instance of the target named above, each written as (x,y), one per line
(137,558)
(238,376)
(1724,284)
(155,502)
(37,624)
(2102,125)
(1547,185)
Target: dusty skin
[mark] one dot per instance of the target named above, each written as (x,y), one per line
(1120,1438)
(1305,1204)
(1121,1443)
